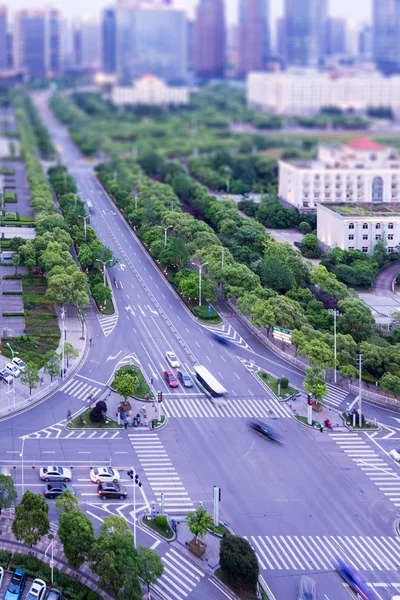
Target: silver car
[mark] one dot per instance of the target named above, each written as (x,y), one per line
(185,379)
(54,473)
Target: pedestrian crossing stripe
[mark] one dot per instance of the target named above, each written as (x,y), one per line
(367,459)
(81,389)
(234,407)
(179,578)
(335,396)
(161,474)
(317,553)
(108,324)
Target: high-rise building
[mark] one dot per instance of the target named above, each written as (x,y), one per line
(365,42)
(3,38)
(10,50)
(254,36)
(281,38)
(190,33)
(210,39)
(151,38)
(37,42)
(386,35)
(335,36)
(86,44)
(109,40)
(306,26)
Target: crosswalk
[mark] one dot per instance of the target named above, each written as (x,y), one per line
(385,590)
(235,407)
(379,471)
(60,432)
(227,331)
(108,324)
(318,553)
(83,389)
(161,474)
(335,395)
(180,576)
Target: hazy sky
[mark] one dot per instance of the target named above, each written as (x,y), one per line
(354,10)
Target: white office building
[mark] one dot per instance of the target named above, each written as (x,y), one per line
(306,92)
(358,227)
(360,171)
(150,90)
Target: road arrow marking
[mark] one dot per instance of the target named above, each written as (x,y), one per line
(130,309)
(114,357)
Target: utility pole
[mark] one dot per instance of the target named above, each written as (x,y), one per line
(222,257)
(21,455)
(217,500)
(84,222)
(360,357)
(335,313)
(200,272)
(135,483)
(62,315)
(104,263)
(165,232)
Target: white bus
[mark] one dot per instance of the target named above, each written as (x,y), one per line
(208,382)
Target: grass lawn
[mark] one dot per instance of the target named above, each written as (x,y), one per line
(304,420)
(108,309)
(156,422)
(272,383)
(78,422)
(164,531)
(221,529)
(241,592)
(143,388)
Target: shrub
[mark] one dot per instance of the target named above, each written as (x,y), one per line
(239,561)
(5,556)
(284,383)
(304,228)
(162,521)
(201,312)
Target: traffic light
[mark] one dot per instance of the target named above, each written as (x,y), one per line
(219,494)
(159,396)
(309,399)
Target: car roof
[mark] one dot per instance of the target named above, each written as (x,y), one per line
(103,470)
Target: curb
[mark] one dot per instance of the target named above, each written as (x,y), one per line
(156,533)
(222,586)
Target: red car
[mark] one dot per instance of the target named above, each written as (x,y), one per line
(170,377)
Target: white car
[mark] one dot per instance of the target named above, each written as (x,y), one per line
(104,474)
(395,454)
(54,473)
(19,363)
(172,359)
(37,591)
(13,369)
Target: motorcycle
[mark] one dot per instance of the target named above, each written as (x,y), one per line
(328,424)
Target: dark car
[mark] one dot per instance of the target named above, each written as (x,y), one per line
(53,490)
(54,594)
(221,339)
(307,589)
(16,585)
(172,380)
(112,490)
(185,379)
(355,581)
(265,430)
(298,244)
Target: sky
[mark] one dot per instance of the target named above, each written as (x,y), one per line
(353,10)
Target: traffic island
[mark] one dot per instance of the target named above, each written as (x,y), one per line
(218,530)
(143,390)
(280,387)
(160,525)
(83,421)
(366,425)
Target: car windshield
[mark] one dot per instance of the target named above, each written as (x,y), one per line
(13,587)
(172,378)
(172,356)
(186,377)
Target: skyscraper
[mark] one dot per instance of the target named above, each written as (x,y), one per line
(386,35)
(281,38)
(109,40)
(53,42)
(254,36)
(335,36)
(306,26)
(365,42)
(37,42)
(86,44)
(151,38)
(3,38)
(210,39)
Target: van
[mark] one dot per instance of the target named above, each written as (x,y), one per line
(90,206)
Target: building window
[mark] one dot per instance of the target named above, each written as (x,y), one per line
(390,249)
(378,226)
(390,236)
(351,236)
(338,196)
(390,226)
(378,236)
(351,247)
(365,236)
(377,189)
(365,248)
(351,225)
(365,225)
(305,204)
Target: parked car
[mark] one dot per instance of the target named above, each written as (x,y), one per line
(53,490)
(37,591)
(395,454)
(16,585)
(172,359)
(185,379)
(19,363)
(54,594)
(112,490)
(172,380)
(13,369)
(6,376)
(104,474)
(307,588)
(53,473)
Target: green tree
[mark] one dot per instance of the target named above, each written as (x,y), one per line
(76,532)
(189,285)
(275,270)
(319,353)
(61,289)
(391,383)
(101,293)
(115,560)
(30,377)
(315,383)
(125,384)
(348,371)
(356,319)
(288,313)
(304,228)
(66,502)
(69,352)
(151,567)
(31,521)
(198,522)
(16,262)
(52,367)
(310,246)
(8,493)
(176,253)
(238,561)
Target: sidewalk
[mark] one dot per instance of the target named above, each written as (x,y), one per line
(210,559)
(299,407)
(114,400)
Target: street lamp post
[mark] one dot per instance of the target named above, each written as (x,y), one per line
(84,222)
(13,353)
(200,273)
(359,390)
(104,263)
(335,313)
(165,232)
(135,483)
(21,455)
(62,315)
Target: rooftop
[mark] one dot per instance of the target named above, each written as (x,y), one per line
(365,210)
(365,144)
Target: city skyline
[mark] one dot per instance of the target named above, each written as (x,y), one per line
(359,10)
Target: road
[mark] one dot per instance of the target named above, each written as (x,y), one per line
(298,504)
